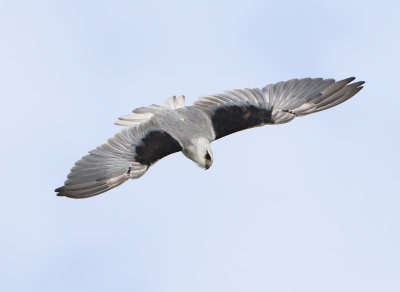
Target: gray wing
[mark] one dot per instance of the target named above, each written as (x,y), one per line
(127,155)
(278,103)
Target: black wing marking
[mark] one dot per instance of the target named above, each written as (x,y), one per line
(233,118)
(154,146)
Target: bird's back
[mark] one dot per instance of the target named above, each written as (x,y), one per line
(186,124)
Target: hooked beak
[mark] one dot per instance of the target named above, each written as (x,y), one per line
(208,160)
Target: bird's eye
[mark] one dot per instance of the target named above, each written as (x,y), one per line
(207,156)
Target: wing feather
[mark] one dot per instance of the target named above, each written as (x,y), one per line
(275,103)
(127,155)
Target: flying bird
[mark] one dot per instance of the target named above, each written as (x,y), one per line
(156,131)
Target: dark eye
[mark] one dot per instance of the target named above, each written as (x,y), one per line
(207,157)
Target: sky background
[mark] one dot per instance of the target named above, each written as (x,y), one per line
(312,205)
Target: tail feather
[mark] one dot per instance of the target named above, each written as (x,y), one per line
(143,114)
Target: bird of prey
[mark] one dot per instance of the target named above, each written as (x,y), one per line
(154,132)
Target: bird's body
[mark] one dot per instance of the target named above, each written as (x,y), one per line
(186,124)
(157,131)
(190,127)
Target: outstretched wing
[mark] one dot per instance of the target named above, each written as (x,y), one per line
(127,155)
(278,103)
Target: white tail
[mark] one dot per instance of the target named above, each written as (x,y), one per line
(143,114)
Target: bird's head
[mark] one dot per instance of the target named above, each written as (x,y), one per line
(200,152)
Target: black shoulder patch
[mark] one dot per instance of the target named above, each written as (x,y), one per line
(156,145)
(230,119)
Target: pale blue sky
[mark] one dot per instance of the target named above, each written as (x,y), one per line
(312,205)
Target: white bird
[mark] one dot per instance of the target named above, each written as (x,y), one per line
(159,130)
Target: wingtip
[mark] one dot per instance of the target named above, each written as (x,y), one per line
(60,191)
(351,79)
(69,196)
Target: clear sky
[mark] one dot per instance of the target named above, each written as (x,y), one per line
(312,205)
